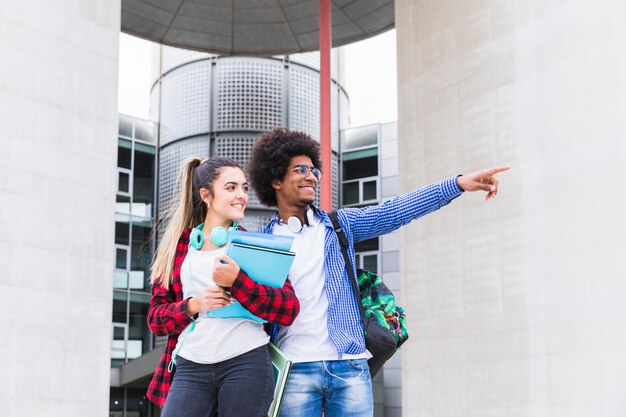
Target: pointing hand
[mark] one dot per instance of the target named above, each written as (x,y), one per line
(484,180)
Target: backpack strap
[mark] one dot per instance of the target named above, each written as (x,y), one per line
(343,242)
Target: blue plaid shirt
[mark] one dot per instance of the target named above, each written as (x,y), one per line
(345,328)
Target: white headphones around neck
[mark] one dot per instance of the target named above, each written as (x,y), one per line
(294,224)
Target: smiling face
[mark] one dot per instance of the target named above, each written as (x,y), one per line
(230,195)
(296,190)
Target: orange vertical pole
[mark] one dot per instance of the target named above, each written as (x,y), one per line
(325,45)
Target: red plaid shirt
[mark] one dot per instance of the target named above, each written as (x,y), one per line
(168,313)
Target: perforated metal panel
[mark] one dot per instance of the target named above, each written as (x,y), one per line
(254,219)
(186,102)
(238,148)
(171,160)
(173,57)
(249,94)
(304,103)
(334,160)
(155,102)
(304,100)
(334,118)
(311,59)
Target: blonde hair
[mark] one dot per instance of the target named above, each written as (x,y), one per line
(178,217)
(186,210)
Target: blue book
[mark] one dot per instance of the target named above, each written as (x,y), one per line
(261,239)
(265,258)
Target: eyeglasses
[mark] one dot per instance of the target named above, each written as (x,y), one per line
(304,171)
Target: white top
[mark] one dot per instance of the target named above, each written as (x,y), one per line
(213,339)
(307,340)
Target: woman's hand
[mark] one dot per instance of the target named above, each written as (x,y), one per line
(225,271)
(210,299)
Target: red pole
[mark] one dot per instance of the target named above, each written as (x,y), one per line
(325,45)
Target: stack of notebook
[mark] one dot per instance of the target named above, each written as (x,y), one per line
(265,258)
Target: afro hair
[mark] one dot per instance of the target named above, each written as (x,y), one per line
(270,159)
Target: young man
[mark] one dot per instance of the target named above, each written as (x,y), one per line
(325,342)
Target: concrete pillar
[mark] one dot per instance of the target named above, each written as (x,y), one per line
(516,306)
(58,124)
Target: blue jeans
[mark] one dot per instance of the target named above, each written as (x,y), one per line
(241,386)
(338,388)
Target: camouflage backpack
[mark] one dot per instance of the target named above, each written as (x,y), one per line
(384,322)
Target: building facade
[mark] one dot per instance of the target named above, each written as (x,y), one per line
(135,211)
(518,302)
(58,116)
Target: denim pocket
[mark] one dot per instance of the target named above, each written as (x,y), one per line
(360,364)
(358,369)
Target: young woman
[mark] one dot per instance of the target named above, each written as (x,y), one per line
(220,364)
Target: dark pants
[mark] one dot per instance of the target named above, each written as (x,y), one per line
(239,387)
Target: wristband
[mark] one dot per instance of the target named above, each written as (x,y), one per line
(187,311)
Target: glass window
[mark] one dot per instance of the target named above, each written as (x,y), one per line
(369,190)
(138,331)
(120,309)
(370,262)
(121,258)
(119,332)
(360,154)
(143,180)
(125,127)
(360,137)
(137,280)
(118,344)
(141,255)
(120,279)
(148,149)
(144,131)
(123,153)
(122,204)
(123,182)
(122,233)
(360,168)
(351,193)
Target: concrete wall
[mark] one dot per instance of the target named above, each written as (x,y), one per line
(517,305)
(58,123)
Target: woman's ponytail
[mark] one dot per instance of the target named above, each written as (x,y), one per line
(185,211)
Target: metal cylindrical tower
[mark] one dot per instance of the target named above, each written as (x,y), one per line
(213,105)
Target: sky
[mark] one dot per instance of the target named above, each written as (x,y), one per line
(370,78)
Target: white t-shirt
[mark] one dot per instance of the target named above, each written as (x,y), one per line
(213,339)
(307,340)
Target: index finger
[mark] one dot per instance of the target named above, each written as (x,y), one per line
(494,171)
